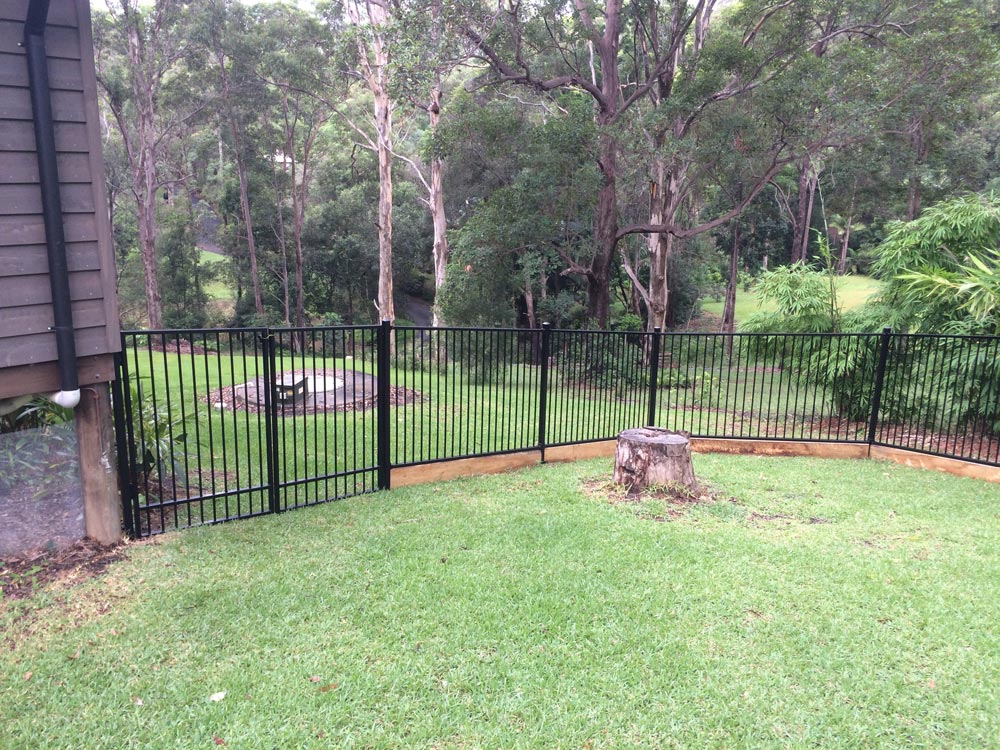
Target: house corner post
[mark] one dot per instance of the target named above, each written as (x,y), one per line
(98,464)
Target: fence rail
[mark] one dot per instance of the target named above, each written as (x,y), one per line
(214,425)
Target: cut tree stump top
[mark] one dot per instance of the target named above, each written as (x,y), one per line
(655,436)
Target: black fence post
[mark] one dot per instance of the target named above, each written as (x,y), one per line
(654,376)
(271,421)
(543,395)
(123,439)
(883,358)
(382,402)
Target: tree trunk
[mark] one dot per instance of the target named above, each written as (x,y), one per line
(606,221)
(799,230)
(147,233)
(657,249)
(374,57)
(729,309)
(846,239)
(605,235)
(913,198)
(144,169)
(383,129)
(279,201)
(241,174)
(529,307)
(258,302)
(653,456)
(441,251)
(810,203)
(665,203)
(919,145)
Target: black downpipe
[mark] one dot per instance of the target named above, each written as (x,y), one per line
(48,178)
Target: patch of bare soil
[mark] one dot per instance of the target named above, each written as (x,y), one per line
(654,503)
(21,576)
(175,346)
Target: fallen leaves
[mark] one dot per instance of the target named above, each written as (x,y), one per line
(216,697)
(218,740)
(27,676)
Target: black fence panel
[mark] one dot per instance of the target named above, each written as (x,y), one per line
(214,425)
(194,454)
(325,414)
(462,392)
(776,386)
(942,396)
(598,385)
(215,430)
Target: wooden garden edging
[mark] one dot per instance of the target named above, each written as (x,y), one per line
(465,467)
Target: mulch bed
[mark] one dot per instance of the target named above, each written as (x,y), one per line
(233,397)
(21,576)
(175,346)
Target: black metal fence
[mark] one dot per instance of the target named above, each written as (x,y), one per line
(214,425)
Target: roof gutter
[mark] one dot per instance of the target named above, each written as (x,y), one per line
(48,178)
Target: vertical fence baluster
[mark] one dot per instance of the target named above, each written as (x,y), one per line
(654,376)
(543,391)
(269,381)
(125,443)
(382,377)
(883,358)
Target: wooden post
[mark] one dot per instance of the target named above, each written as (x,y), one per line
(98,474)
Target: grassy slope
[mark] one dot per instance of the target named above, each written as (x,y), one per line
(852,292)
(515,611)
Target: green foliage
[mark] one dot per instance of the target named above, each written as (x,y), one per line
(515,242)
(707,389)
(618,368)
(942,271)
(182,275)
(38,413)
(160,441)
(804,299)
(37,442)
(668,377)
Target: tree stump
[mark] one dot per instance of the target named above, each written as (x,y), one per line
(653,455)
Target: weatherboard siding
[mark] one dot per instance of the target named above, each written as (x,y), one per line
(27,345)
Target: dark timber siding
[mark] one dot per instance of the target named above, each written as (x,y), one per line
(27,347)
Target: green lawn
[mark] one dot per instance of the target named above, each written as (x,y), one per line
(829,604)
(852,292)
(219,289)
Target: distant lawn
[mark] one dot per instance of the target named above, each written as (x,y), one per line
(829,604)
(852,292)
(217,290)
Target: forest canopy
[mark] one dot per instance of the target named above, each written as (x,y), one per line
(606,164)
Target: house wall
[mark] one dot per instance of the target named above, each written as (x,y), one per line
(27,347)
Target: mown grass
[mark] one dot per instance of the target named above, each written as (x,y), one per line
(829,604)
(852,291)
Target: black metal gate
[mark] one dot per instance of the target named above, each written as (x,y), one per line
(214,425)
